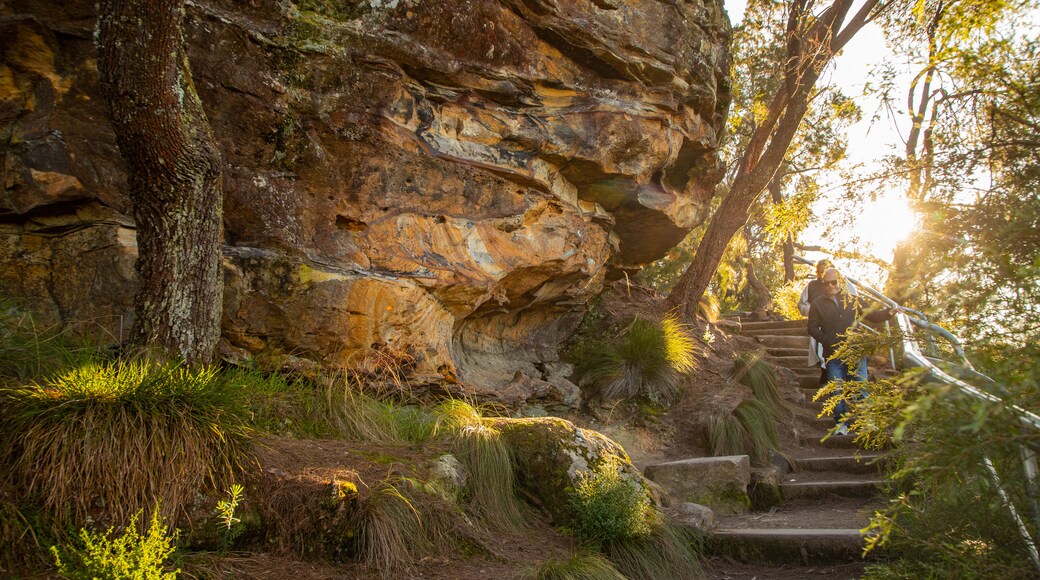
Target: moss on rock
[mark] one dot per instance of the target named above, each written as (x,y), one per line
(552,452)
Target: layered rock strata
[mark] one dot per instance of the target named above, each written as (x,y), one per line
(437,185)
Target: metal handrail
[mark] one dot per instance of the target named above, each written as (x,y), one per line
(912,354)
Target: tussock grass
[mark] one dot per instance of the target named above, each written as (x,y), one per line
(648,359)
(583,566)
(668,551)
(749,369)
(397,524)
(489,463)
(391,528)
(749,429)
(118,435)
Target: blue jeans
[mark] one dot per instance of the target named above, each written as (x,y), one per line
(839,371)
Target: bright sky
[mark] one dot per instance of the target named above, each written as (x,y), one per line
(886,220)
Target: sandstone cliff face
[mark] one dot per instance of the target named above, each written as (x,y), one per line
(444,183)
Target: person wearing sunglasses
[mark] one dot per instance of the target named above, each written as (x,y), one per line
(830,316)
(813,290)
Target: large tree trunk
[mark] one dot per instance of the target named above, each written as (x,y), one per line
(173,168)
(809,50)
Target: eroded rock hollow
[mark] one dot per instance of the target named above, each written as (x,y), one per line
(441,183)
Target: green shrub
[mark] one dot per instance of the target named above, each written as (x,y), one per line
(785,300)
(130,555)
(608,506)
(945,517)
(648,359)
(119,434)
(583,566)
(749,429)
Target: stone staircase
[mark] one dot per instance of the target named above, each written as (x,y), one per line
(829,488)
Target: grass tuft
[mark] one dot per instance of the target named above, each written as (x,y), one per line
(648,359)
(750,370)
(489,463)
(668,551)
(582,566)
(111,437)
(749,429)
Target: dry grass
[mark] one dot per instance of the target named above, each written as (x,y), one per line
(107,440)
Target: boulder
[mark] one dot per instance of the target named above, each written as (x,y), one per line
(551,455)
(445,183)
(718,482)
(692,515)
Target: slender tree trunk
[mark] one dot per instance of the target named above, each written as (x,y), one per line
(173,168)
(807,56)
(764,301)
(777,197)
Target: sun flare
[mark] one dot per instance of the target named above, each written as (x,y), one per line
(884,223)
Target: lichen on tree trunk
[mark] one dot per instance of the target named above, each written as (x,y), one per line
(173,168)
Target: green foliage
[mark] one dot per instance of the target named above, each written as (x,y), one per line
(610,507)
(225,512)
(785,299)
(117,434)
(750,429)
(582,566)
(130,555)
(648,359)
(667,551)
(945,518)
(749,369)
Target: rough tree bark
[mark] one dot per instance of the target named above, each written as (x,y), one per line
(173,168)
(811,45)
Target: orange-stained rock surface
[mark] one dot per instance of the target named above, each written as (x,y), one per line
(448,182)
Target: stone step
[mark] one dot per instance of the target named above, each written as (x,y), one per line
(832,442)
(778,341)
(795,363)
(854,463)
(773,324)
(785,351)
(807,381)
(789,545)
(826,489)
(802,332)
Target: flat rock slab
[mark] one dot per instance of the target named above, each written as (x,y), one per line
(718,482)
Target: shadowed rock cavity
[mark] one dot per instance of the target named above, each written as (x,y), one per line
(443,183)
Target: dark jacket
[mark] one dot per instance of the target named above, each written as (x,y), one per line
(828,320)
